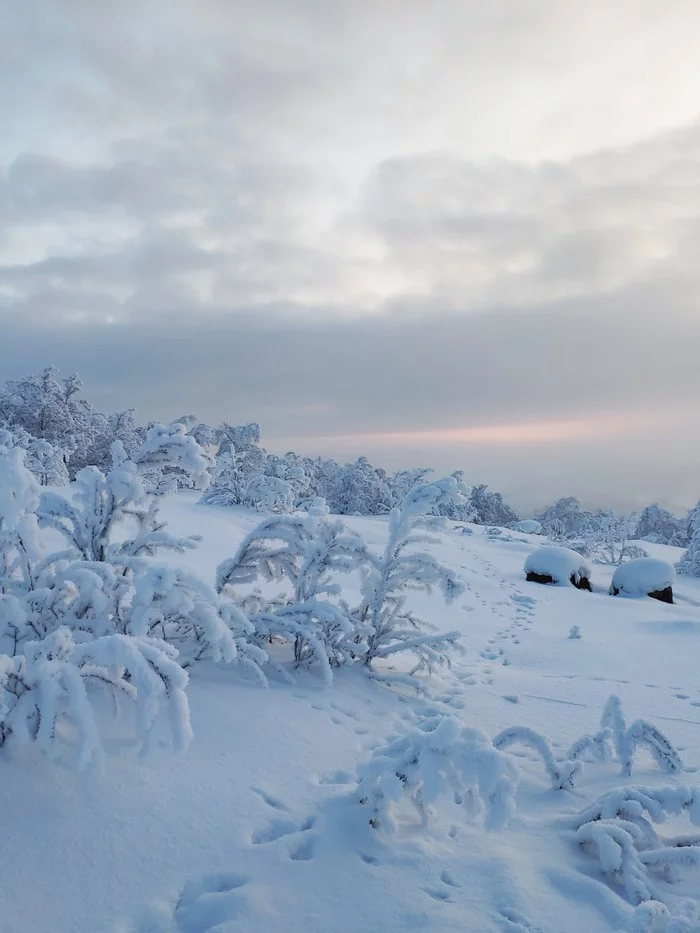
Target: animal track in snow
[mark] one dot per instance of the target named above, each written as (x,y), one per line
(274,802)
(438,894)
(280,828)
(447,878)
(207,903)
(304,850)
(515,922)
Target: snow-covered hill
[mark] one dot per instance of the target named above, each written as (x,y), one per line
(257,829)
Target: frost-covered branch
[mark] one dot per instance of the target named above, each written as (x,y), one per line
(562,774)
(627,740)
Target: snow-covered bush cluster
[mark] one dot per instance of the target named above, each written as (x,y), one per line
(619,830)
(68,619)
(608,537)
(100,612)
(311,551)
(439,757)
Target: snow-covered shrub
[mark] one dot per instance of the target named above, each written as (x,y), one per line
(169,458)
(440,757)
(269,494)
(574,632)
(57,635)
(655,917)
(309,551)
(607,537)
(392,626)
(645,576)
(689,564)
(562,774)
(619,828)
(98,613)
(559,565)
(626,740)
(47,685)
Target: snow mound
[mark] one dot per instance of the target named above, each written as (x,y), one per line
(560,563)
(642,576)
(528,526)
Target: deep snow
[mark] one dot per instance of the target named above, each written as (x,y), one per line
(254,829)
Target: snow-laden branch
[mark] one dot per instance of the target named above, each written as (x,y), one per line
(562,774)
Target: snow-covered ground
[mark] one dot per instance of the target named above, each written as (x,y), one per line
(255,829)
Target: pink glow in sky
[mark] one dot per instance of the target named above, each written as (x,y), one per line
(555,431)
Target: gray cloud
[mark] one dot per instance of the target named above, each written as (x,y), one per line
(362,218)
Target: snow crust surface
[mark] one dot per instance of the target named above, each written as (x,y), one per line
(256,828)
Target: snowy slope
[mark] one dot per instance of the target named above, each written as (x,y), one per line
(255,828)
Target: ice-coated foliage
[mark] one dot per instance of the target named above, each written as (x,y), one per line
(562,774)
(619,829)
(641,733)
(689,564)
(439,758)
(392,625)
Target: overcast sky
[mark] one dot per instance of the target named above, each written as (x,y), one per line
(454,233)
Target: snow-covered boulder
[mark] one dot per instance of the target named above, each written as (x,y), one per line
(645,576)
(559,565)
(529,526)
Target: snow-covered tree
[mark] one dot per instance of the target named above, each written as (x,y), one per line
(240,462)
(392,625)
(46,462)
(359,489)
(488,508)
(689,564)
(565,520)
(660,526)
(403,481)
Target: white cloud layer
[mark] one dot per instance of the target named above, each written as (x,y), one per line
(357,218)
